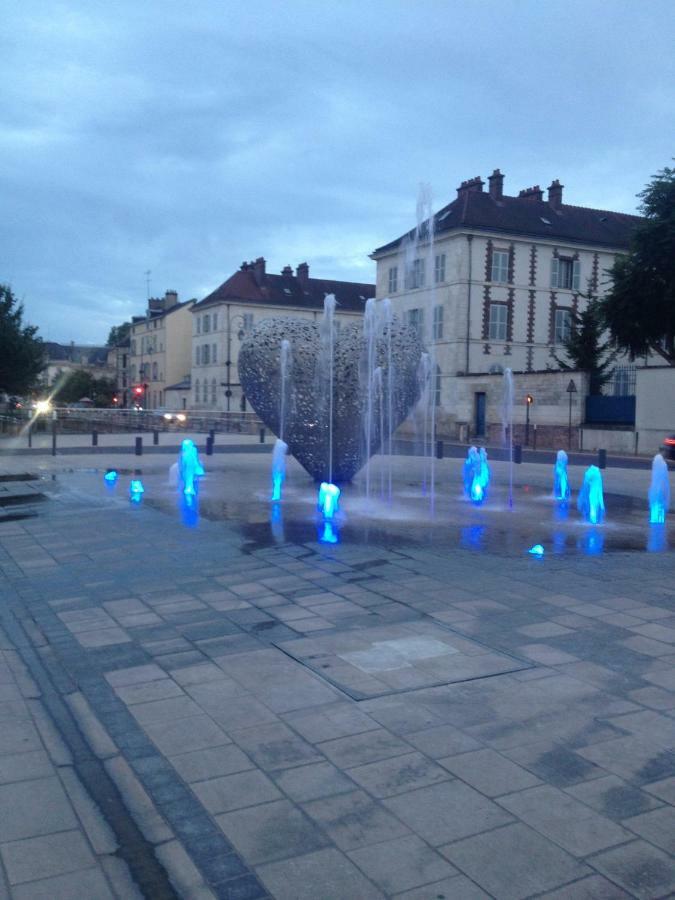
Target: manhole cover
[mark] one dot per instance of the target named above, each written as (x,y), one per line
(372,662)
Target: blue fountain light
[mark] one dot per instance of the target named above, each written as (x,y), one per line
(328,533)
(593,542)
(561,484)
(472,537)
(111,476)
(329,496)
(189,466)
(536,550)
(136,490)
(659,491)
(657,542)
(189,510)
(591,502)
(476,474)
(278,468)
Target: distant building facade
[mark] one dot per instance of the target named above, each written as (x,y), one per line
(159,350)
(221,320)
(63,359)
(497,285)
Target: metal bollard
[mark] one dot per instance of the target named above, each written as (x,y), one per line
(517,454)
(94,438)
(209,446)
(155,437)
(439,449)
(602,459)
(139,446)
(54,437)
(212,434)
(262,435)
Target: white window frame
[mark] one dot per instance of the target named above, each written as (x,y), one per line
(206,355)
(498,322)
(562,325)
(438,323)
(393,279)
(439,268)
(416,275)
(415,319)
(565,273)
(248,321)
(499,273)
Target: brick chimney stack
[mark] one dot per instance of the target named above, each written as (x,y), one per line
(472,185)
(259,270)
(496,181)
(170,299)
(555,194)
(302,274)
(287,272)
(532,193)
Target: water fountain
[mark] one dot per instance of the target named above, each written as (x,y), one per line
(507,425)
(659,491)
(561,485)
(329,496)
(469,470)
(136,490)
(189,466)
(422,411)
(482,478)
(591,502)
(326,373)
(110,476)
(278,468)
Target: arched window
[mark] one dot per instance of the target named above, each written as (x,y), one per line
(197,386)
(213,392)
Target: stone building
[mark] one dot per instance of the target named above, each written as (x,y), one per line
(220,321)
(496,284)
(159,352)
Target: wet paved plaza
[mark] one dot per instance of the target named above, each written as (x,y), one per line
(417,711)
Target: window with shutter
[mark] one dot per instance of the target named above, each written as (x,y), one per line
(576,274)
(554,272)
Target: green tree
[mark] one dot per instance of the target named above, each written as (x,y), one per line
(639,309)
(79,384)
(21,351)
(118,333)
(587,346)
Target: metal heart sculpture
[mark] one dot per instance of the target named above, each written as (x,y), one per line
(372,383)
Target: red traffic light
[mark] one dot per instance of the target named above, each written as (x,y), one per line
(138,390)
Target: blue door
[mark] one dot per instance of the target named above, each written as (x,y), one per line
(480,414)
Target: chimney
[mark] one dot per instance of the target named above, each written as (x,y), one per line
(302,274)
(287,272)
(496,188)
(555,194)
(473,185)
(259,270)
(170,299)
(532,193)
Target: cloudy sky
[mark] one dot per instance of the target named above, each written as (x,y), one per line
(183,138)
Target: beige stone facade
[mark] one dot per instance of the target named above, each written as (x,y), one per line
(159,350)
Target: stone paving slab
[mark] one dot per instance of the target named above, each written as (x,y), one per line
(553,776)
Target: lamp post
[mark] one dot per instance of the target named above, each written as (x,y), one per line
(228,362)
(529,400)
(571,390)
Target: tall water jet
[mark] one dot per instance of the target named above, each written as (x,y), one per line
(591,503)
(659,491)
(367,379)
(481,478)
(421,413)
(189,466)
(507,425)
(388,315)
(378,393)
(561,484)
(424,247)
(470,469)
(285,363)
(326,372)
(278,468)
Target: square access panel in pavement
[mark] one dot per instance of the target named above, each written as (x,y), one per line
(372,662)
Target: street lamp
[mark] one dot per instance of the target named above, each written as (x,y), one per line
(529,400)
(571,390)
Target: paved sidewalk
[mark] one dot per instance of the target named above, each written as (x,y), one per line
(310,722)
(54,842)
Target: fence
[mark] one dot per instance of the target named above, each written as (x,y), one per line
(603,410)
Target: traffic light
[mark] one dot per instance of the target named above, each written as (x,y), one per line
(138,390)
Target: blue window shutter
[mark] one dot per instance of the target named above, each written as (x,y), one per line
(576,274)
(554,272)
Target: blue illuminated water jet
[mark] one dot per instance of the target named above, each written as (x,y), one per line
(472,537)
(111,476)
(593,542)
(136,490)
(277,523)
(659,491)
(278,468)
(189,466)
(561,485)
(189,510)
(536,550)
(657,540)
(328,533)
(591,503)
(329,497)
(471,467)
